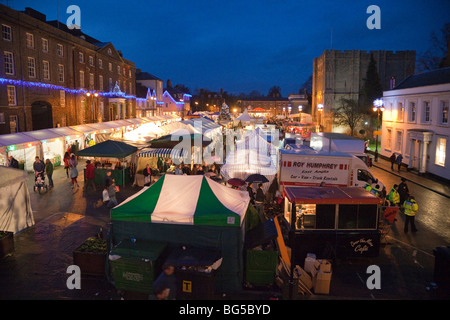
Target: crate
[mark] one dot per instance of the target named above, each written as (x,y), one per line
(135,266)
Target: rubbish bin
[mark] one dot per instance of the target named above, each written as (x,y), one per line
(260,267)
(442,268)
(136,264)
(195,270)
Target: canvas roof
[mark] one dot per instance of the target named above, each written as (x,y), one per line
(190,200)
(108,149)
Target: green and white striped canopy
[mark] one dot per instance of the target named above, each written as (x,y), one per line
(182,199)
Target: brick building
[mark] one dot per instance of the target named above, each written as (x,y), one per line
(52,76)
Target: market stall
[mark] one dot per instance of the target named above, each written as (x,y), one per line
(336,221)
(110,155)
(196,212)
(22,147)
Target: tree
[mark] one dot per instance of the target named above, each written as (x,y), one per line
(348,114)
(182,88)
(438,54)
(224,112)
(274,92)
(372,88)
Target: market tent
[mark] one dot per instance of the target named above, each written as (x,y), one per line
(108,149)
(177,138)
(192,211)
(15,204)
(244,117)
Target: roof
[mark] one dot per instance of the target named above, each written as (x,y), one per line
(108,149)
(428,78)
(335,136)
(146,76)
(330,195)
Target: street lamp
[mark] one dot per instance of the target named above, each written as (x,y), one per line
(320,109)
(300,108)
(377,107)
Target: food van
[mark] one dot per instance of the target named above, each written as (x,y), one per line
(332,222)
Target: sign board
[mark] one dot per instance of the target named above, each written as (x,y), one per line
(377,133)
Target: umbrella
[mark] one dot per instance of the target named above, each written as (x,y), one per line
(236,182)
(256,178)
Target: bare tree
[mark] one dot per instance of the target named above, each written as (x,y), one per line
(348,114)
(437,55)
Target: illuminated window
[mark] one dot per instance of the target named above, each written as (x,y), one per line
(30,40)
(441,145)
(11,95)
(400,112)
(62,98)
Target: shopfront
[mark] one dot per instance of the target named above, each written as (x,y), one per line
(332,222)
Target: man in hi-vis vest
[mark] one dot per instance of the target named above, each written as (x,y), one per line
(410,205)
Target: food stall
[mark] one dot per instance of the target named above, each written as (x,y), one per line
(111,155)
(334,222)
(22,147)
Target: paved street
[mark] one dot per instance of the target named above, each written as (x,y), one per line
(65,218)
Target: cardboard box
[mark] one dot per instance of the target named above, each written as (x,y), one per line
(322,281)
(303,276)
(324,265)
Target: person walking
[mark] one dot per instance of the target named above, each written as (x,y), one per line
(259,202)
(392,159)
(411,207)
(403,191)
(394,196)
(251,193)
(399,161)
(66,163)
(90,176)
(73,171)
(112,190)
(13,163)
(49,172)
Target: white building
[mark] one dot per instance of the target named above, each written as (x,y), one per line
(416,122)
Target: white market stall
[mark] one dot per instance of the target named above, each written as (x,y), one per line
(22,147)
(15,204)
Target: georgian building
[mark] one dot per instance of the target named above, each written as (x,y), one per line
(52,76)
(416,122)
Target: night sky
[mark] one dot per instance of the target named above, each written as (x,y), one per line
(246,45)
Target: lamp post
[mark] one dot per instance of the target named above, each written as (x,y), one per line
(377,107)
(320,109)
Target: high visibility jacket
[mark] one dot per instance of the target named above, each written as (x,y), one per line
(368,187)
(375,192)
(411,207)
(394,196)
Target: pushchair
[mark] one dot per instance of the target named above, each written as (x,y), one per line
(40,185)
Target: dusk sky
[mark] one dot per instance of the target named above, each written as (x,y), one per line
(246,45)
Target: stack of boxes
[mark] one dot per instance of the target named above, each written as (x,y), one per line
(320,271)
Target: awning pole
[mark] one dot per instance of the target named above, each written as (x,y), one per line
(291,244)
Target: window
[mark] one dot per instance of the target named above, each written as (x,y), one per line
(118,69)
(100,63)
(91,60)
(400,110)
(44,45)
(46,70)
(110,84)
(30,40)
(109,51)
(441,145)
(11,95)
(426,111)
(9,62)
(2,118)
(412,111)
(444,112)
(354,216)
(13,124)
(60,50)
(91,81)
(110,66)
(31,67)
(80,57)
(6,32)
(81,79)
(100,83)
(389,139)
(398,141)
(60,73)
(62,98)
